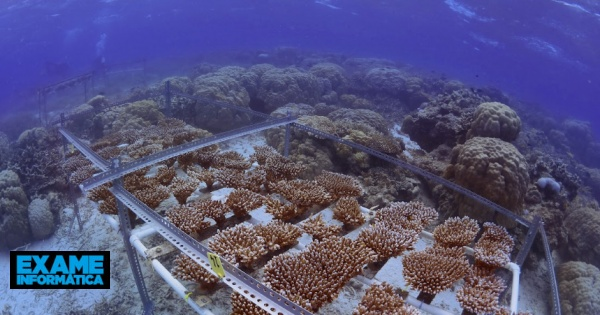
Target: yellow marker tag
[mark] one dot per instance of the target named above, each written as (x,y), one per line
(216,265)
(187,296)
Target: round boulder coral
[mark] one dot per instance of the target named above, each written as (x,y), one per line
(496,120)
(14,224)
(290,85)
(41,219)
(583,230)
(492,168)
(579,289)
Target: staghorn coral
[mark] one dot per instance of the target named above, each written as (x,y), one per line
(152,196)
(213,209)
(493,247)
(434,269)
(183,188)
(456,232)
(302,193)
(188,219)
(187,269)
(480,292)
(165,175)
(201,174)
(230,160)
(278,234)
(262,153)
(242,306)
(388,241)
(347,210)
(282,211)
(279,168)
(242,201)
(319,230)
(229,177)
(496,120)
(412,215)
(316,275)
(338,185)
(240,245)
(381,299)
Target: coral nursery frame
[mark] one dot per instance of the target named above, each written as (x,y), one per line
(239,281)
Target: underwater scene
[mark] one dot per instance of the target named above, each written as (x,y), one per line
(299,157)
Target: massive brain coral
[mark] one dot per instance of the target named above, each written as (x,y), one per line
(492,168)
(583,230)
(332,72)
(233,85)
(493,119)
(290,85)
(364,116)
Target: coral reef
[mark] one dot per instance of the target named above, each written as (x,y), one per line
(582,224)
(381,299)
(339,185)
(579,290)
(361,116)
(278,234)
(242,201)
(495,120)
(289,85)
(388,241)
(282,211)
(14,224)
(37,159)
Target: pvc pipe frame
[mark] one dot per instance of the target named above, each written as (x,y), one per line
(136,236)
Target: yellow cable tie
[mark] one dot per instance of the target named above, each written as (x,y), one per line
(187,296)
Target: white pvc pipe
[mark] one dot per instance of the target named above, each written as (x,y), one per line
(111,221)
(514,297)
(178,287)
(135,240)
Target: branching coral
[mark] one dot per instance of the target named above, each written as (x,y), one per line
(152,196)
(434,269)
(201,174)
(381,299)
(279,168)
(412,215)
(319,230)
(187,269)
(242,201)
(339,185)
(456,232)
(347,210)
(229,177)
(165,175)
(239,245)
(302,193)
(183,188)
(494,246)
(262,153)
(386,241)
(316,275)
(278,234)
(480,292)
(187,219)
(213,209)
(232,160)
(282,211)
(242,306)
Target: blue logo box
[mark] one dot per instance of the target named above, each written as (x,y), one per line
(60,270)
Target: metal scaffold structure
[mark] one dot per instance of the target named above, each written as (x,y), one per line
(242,283)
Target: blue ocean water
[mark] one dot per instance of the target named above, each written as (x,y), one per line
(544,52)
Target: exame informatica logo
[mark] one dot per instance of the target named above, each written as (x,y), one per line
(60,270)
